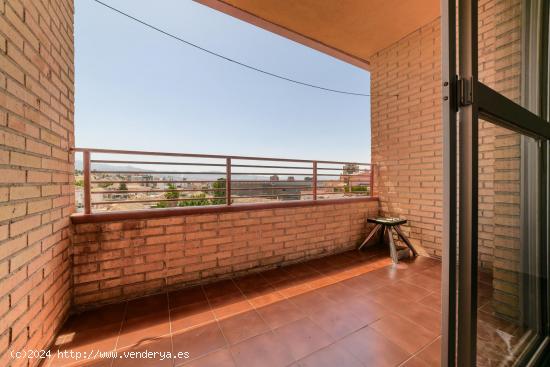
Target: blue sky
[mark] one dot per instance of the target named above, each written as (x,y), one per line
(137,89)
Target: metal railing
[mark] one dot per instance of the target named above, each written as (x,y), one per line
(137,181)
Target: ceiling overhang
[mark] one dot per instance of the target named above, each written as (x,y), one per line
(350,30)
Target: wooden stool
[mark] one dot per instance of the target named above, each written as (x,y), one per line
(388,225)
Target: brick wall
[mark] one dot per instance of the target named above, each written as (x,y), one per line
(126,259)
(407,133)
(36,191)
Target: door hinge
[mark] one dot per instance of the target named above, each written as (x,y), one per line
(465,92)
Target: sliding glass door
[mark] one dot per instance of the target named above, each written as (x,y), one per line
(496,131)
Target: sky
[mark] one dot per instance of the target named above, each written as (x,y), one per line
(139,90)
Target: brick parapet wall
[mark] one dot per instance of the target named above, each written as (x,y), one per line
(125,259)
(36,172)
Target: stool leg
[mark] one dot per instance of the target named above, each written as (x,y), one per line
(406,240)
(371,235)
(393,251)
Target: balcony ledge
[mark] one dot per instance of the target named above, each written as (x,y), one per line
(79,218)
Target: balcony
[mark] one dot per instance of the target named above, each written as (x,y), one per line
(246,261)
(246,276)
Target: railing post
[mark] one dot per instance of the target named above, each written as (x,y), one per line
(87,188)
(228,181)
(314,180)
(371,179)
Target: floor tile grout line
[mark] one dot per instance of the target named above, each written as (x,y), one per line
(417,353)
(270,330)
(336,340)
(170,329)
(330,273)
(120,331)
(227,345)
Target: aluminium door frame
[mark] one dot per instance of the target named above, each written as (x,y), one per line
(472,99)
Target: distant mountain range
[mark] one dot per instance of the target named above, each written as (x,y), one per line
(79,165)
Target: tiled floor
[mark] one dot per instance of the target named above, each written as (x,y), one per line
(351,309)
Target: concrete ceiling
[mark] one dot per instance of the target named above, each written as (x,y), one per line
(351,30)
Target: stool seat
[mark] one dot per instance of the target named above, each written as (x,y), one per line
(387,225)
(387,221)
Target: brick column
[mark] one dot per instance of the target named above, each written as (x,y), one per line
(36,172)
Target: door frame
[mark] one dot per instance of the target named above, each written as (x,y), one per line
(467,99)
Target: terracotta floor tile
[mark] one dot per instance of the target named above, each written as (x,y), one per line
(265,298)
(220,358)
(389,297)
(336,320)
(229,305)
(99,317)
(422,315)
(373,349)
(258,290)
(365,310)
(303,337)
(147,306)
(421,263)
(366,282)
(221,289)
(404,333)
(280,313)
(338,292)
(264,350)
(251,282)
(189,316)
(160,345)
(330,356)
(102,339)
(321,281)
(311,302)
(423,280)
(432,300)
(276,275)
(300,270)
(294,289)
(199,341)
(61,362)
(308,277)
(400,271)
(433,271)
(143,330)
(243,326)
(432,353)
(408,291)
(184,297)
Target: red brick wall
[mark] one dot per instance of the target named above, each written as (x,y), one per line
(36,191)
(125,259)
(407,135)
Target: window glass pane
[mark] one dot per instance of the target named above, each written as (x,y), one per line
(508,245)
(500,46)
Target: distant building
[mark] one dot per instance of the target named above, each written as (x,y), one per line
(275,189)
(361,178)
